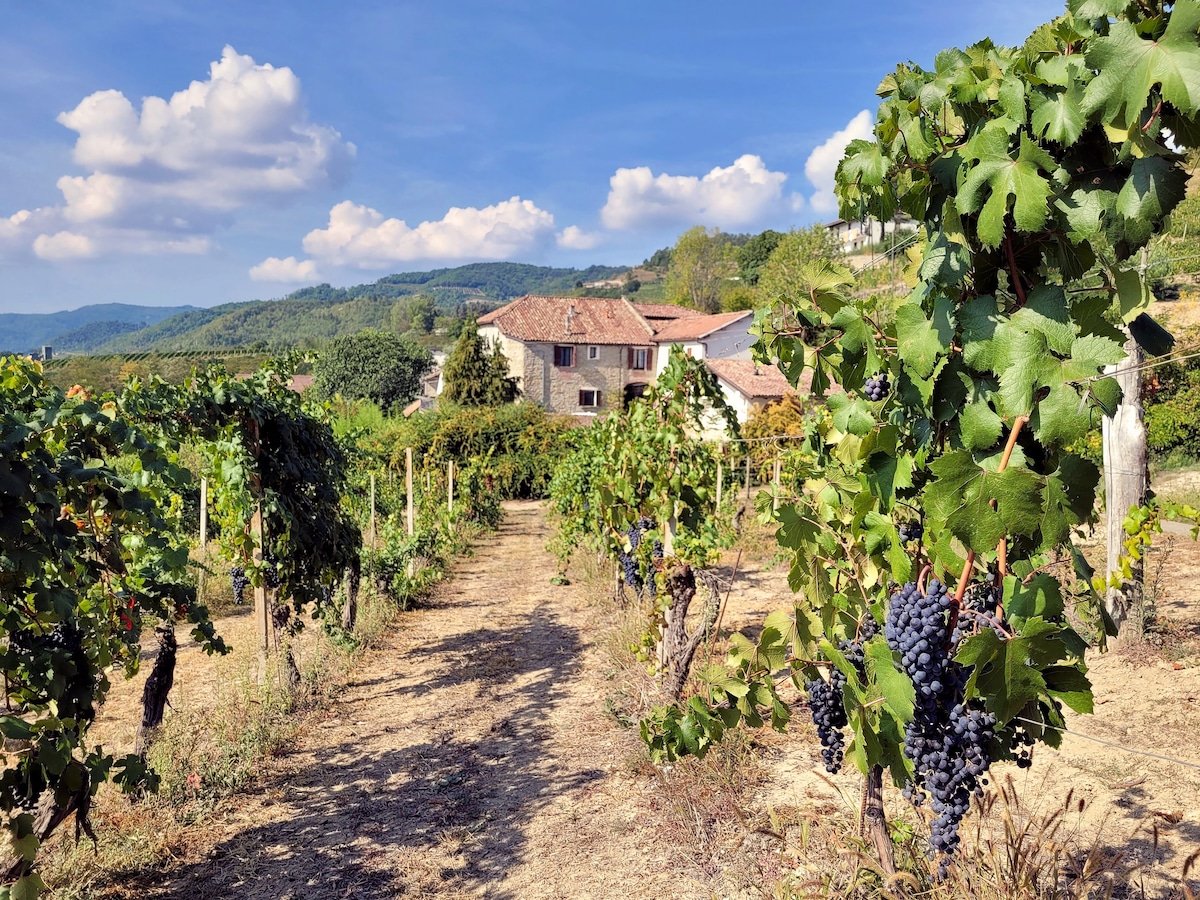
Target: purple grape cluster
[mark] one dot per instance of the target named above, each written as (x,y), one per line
(237,576)
(876,387)
(948,739)
(825,700)
(629,562)
(911,531)
(829,715)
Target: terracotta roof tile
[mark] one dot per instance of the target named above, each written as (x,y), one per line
(571,320)
(669,311)
(694,328)
(753,380)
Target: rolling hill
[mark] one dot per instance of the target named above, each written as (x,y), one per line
(24,332)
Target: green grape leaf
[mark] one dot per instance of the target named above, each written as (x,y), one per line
(962,493)
(1070,492)
(922,341)
(1130,67)
(1045,312)
(1058,115)
(1040,597)
(979,426)
(894,686)
(1098,9)
(1071,686)
(1154,187)
(997,176)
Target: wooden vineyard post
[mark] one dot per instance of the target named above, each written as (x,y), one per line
(262,613)
(778,467)
(747,473)
(203,512)
(720,481)
(450,487)
(427,481)
(408,489)
(669,534)
(372,528)
(1125,485)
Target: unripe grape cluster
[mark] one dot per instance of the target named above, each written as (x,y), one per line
(876,387)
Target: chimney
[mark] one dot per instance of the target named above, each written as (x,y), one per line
(571,314)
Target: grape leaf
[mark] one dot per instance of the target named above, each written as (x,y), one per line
(1070,686)
(1058,115)
(1154,187)
(962,493)
(1130,67)
(923,340)
(998,176)
(895,687)
(1040,597)
(979,426)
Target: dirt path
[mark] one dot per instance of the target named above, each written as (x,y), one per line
(469,757)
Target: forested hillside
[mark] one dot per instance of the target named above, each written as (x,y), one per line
(22,332)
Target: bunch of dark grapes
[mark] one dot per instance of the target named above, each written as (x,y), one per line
(876,387)
(237,575)
(271,571)
(825,700)
(829,715)
(629,561)
(947,739)
(911,531)
(979,606)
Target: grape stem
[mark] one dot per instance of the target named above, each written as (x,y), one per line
(921,579)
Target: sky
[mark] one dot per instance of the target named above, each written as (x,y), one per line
(166,153)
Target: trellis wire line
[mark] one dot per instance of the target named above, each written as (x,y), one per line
(1114,745)
(1143,367)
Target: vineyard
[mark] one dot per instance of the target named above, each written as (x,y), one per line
(853,649)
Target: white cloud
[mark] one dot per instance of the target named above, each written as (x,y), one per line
(821,165)
(64,245)
(289,270)
(360,236)
(163,178)
(730,197)
(575,238)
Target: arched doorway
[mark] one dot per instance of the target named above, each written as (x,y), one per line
(632,392)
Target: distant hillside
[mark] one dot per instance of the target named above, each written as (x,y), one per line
(316,314)
(87,338)
(23,332)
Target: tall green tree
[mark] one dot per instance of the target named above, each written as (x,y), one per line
(372,365)
(422,313)
(781,272)
(701,262)
(477,376)
(754,255)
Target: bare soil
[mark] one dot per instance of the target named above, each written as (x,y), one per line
(472,756)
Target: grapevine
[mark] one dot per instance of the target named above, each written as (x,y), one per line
(1035,175)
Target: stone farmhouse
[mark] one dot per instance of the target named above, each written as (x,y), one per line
(584,355)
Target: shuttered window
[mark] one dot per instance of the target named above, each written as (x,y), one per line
(564,356)
(589,398)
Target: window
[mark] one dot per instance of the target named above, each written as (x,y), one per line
(639,359)
(589,398)
(564,357)
(593,352)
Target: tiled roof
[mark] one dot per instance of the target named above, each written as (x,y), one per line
(571,320)
(666,311)
(753,380)
(694,328)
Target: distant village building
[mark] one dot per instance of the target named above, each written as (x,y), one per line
(584,355)
(861,234)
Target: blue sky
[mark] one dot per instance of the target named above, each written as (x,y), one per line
(167,153)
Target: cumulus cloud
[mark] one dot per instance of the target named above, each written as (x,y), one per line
(290,270)
(64,245)
(360,236)
(575,238)
(821,165)
(730,197)
(162,178)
